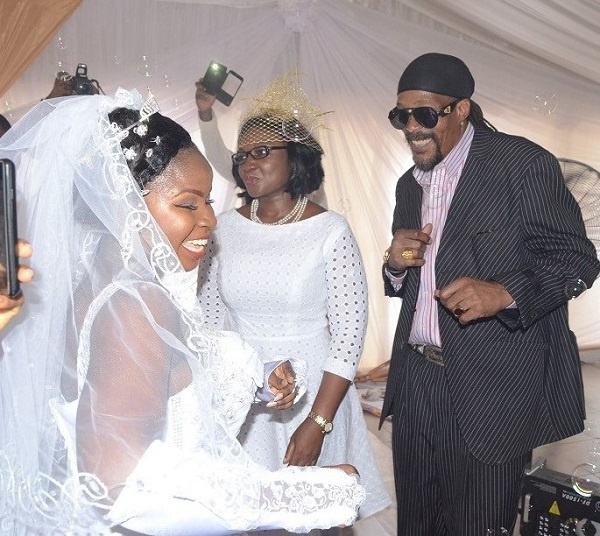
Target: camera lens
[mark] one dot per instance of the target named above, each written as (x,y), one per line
(82,86)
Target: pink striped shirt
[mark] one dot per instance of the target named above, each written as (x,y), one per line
(439,186)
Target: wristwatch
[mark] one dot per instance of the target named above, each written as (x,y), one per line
(386,263)
(386,255)
(326,426)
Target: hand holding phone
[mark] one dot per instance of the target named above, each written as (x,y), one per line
(204,101)
(9,282)
(10,307)
(221,83)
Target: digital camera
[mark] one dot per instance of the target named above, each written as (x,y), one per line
(81,84)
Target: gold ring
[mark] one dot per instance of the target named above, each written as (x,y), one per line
(407,254)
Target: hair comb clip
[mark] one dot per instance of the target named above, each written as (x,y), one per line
(149,107)
(129,153)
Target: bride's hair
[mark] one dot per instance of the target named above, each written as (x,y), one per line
(149,146)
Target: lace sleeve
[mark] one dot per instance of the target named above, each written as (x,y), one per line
(175,492)
(346,303)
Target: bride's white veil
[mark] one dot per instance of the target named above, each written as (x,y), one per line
(98,254)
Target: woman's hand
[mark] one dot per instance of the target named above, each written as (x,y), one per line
(204,102)
(282,382)
(349,470)
(346,467)
(304,447)
(10,307)
(305,444)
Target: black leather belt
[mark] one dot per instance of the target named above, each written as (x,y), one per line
(431,353)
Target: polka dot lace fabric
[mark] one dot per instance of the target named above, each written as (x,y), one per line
(299,291)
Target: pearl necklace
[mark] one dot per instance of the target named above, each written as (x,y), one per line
(293,216)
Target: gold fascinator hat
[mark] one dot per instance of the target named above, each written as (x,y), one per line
(282,113)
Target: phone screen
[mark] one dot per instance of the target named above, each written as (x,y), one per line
(230,87)
(9,284)
(232,83)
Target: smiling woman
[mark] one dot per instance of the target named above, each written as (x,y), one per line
(180,202)
(175,180)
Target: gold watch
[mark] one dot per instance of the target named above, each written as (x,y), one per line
(386,255)
(326,426)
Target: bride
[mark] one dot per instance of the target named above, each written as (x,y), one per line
(118,406)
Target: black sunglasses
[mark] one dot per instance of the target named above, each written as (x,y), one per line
(257,153)
(424,115)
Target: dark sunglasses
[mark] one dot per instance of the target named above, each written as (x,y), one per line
(257,153)
(424,115)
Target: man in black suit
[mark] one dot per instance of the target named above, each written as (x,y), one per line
(488,247)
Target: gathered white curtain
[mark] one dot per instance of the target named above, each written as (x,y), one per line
(537,69)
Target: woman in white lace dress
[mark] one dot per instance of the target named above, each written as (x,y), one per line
(287,275)
(119,407)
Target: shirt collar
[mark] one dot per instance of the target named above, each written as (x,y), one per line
(454,160)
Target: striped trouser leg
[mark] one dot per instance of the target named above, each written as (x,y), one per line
(441,489)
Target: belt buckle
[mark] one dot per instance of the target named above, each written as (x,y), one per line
(431,353)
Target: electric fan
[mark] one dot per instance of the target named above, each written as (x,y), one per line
(584,183)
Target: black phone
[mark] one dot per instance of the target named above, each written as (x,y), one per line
(9,262)
(221,83)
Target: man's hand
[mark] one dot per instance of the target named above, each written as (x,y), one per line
(408,247)
(470,299)
(204,102)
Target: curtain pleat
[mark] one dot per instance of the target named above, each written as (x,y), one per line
(27,26)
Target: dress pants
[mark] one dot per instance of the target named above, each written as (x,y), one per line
(441,489)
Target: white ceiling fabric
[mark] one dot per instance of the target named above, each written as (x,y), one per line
(565,34)
(536,64)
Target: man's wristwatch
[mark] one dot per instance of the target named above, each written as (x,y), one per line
(326,426)
(386,259)
(386,255)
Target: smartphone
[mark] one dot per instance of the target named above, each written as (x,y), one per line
(9,263)
(221,83)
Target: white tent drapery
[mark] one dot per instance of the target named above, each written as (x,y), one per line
(536,64)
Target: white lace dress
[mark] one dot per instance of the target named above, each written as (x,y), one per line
(296,290)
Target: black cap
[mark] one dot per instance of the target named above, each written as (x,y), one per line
(438,73)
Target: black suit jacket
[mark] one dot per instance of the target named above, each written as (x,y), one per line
(514,379)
